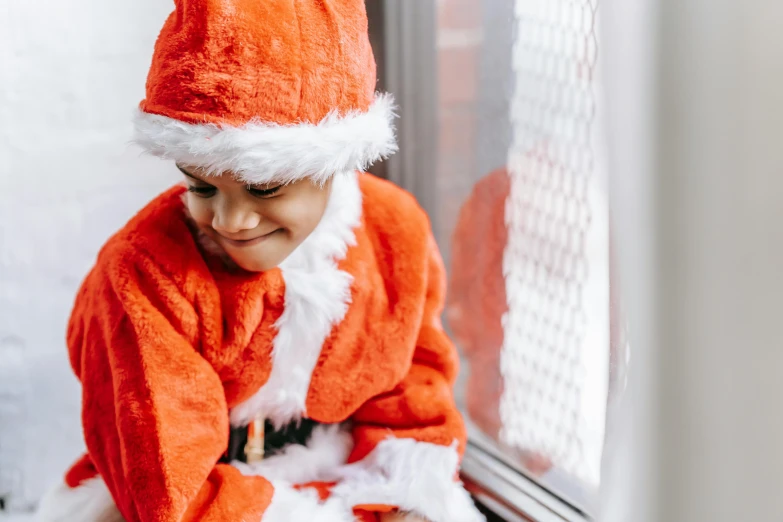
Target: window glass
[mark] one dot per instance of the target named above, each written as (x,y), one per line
(521,216)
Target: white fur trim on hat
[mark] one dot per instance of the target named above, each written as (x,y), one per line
(260,152)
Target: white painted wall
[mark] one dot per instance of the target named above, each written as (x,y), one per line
(696,90)
(71,73)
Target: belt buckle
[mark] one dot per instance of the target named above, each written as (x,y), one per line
(254,449)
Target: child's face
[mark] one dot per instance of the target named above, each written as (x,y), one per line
(258,226)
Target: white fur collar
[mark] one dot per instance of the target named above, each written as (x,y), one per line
(317,296)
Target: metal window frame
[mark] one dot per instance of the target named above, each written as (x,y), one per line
(407,57)
(504,488)
(510,494)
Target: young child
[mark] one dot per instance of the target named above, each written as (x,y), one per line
(282,289)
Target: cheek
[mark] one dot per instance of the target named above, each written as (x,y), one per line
(298,216)
(200,209)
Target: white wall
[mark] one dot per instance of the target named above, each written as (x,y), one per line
(697,187)
(71,73)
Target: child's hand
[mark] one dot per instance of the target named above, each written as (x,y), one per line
(400,516)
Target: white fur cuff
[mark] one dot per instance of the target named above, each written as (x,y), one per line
(414,476)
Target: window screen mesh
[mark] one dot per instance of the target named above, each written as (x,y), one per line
(554,357)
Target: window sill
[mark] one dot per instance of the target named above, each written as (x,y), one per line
(510,494)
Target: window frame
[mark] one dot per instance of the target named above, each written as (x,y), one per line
(506,489)
(403,40)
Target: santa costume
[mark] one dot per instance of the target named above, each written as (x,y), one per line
(342,345)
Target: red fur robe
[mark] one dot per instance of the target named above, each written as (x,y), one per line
(171,345)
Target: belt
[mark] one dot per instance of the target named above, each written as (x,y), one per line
(297,432)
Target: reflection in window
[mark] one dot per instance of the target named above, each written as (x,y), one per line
(523,222)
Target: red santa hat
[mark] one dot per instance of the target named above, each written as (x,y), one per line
(271,90)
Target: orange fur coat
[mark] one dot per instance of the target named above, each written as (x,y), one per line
(172,346)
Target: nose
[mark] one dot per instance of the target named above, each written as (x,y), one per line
(234,217)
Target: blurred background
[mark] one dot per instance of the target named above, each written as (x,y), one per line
(602,178)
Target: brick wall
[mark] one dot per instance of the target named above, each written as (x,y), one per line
(474,41)
(459,36)
(474,87)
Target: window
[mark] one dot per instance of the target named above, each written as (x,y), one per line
(515,185)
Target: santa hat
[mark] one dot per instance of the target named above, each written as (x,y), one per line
(271,90)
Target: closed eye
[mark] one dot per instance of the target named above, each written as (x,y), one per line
(264,193)
(204,191)
(197,186)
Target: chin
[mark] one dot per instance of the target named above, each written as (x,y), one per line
(254,265)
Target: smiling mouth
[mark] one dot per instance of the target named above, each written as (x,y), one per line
(244,243)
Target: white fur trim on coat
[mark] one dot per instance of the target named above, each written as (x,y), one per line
(414,476)
(89,502)
(326,450)
(317,295)
(289,504)
(259,152)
